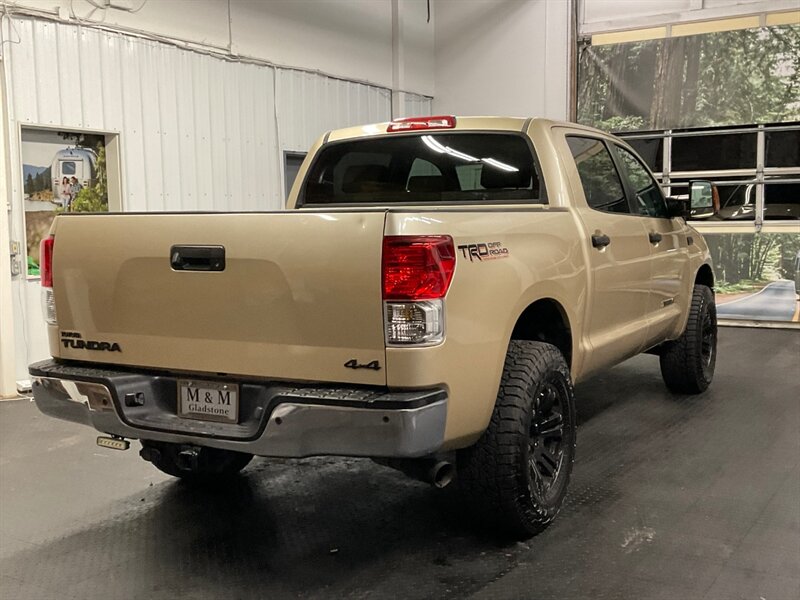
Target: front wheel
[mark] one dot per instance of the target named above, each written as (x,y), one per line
(687,364)
(192,463)
(515,476)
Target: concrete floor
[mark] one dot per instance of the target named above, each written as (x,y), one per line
(671,497)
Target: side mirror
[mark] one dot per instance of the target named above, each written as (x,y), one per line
(701,194)
(704,199)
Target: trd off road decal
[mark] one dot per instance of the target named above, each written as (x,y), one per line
(73,339)
(484,251)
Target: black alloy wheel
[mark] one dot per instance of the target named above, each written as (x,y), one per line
(546,442)
(688,363)
(708,343)
(514,478)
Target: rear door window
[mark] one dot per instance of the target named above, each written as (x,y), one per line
(429,168)
(602,185)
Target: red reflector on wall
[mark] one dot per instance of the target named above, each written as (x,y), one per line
(46,261)
(417,267)
(415,123)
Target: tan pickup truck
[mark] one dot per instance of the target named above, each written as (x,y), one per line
(428,300)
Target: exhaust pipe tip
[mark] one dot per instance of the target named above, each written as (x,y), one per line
(436,472)
(442,474)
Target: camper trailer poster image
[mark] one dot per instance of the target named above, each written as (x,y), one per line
(62,172)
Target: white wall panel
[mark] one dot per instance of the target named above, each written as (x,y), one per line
(197,132)
(413,105)
(348,38)
(492,58)
(309,105)
(351,39)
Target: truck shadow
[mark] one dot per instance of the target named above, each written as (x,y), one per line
(316,528)
(634,380)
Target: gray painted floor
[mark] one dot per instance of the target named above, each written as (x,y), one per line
(671,497)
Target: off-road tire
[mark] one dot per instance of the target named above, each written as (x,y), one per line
(213,465)
(496,475)
(687,364)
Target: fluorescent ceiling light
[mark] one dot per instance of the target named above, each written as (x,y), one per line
(500,165)
(436,146)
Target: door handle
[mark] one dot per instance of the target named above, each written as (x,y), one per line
(654,237)
(600,240)
(197,258)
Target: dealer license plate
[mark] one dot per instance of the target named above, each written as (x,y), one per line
(208,401)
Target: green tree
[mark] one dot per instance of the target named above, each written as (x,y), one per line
(753,257)
(94,198)
(725,78)
(29,184)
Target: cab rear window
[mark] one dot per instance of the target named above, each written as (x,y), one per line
(429,168)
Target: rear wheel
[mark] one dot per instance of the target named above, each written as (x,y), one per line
(194,464)
(687,364)
(515,477)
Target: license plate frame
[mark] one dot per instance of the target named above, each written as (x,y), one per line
(214,406)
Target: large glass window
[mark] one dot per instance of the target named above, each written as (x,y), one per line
(742,189)
(601,183)
(714,152)
(781,200)
(782,148)
(649,199)
(434,167)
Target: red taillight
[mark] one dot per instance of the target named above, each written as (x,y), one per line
(417,267)
(415,123)
(46,261)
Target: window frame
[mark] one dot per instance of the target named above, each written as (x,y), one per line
(543,199)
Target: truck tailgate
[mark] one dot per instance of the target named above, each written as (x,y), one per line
(299,296)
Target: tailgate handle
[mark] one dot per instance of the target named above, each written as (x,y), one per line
(197,258)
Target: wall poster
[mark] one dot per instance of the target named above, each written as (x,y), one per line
(62,171)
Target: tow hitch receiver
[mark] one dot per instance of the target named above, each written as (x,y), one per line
(115,443)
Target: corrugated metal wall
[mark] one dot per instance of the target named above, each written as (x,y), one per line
(197,132)
(413,105)
(309,105)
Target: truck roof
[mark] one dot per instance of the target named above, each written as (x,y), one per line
(482,123)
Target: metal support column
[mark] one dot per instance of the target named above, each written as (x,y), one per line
(8,387)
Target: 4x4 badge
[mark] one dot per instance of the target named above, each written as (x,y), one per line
(354,364)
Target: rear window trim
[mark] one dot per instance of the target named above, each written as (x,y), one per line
(542,200)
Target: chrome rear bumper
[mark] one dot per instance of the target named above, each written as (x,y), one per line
(283,420)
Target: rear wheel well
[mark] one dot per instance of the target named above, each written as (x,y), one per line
(545,321)
(705,276)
